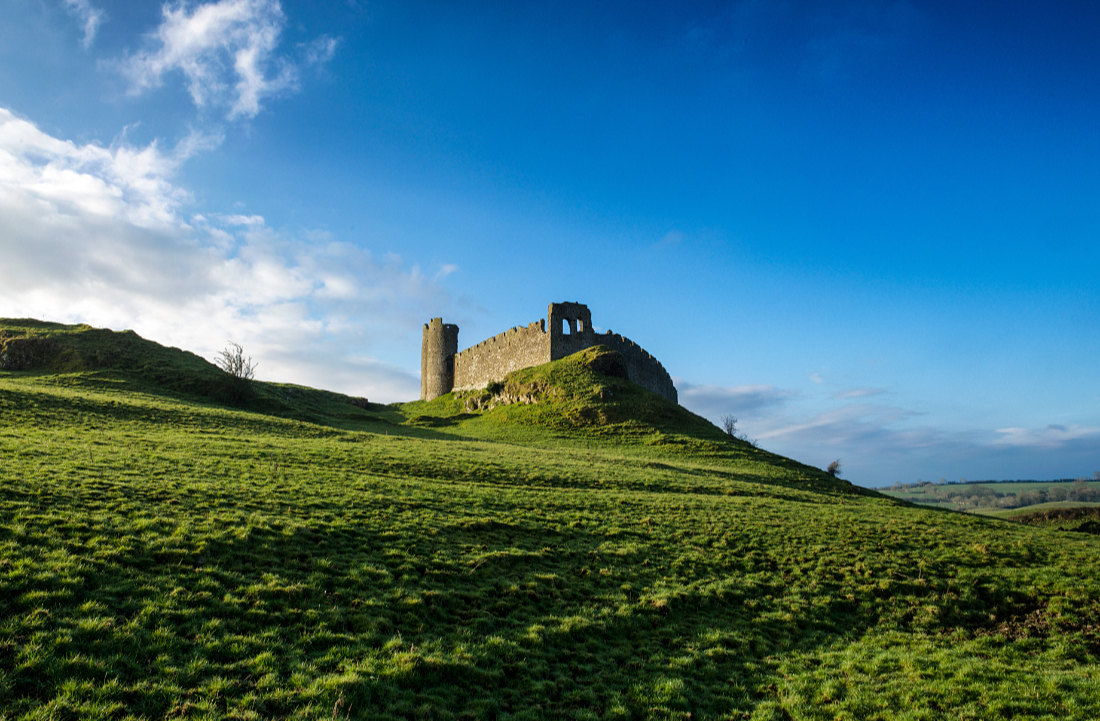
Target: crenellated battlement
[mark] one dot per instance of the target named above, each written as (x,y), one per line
(538,326)
(567,329)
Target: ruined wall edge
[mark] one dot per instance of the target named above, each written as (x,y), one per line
(493,358)
(641,367)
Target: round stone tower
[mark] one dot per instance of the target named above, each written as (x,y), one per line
(437,358)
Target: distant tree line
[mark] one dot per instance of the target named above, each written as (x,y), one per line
(899,486)
(972,495)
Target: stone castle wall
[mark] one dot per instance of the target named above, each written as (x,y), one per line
(492,359)
(570,331)
(641,367)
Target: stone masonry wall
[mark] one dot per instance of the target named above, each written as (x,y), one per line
(641,367)
(492,359)
(437,350)
(570,331)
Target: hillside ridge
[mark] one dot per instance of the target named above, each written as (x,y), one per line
(585,397)
(81,355)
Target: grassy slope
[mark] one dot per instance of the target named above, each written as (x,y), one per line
(161,555)
(1062,516)
(1039,509)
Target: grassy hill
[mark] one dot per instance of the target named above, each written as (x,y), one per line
(563,544)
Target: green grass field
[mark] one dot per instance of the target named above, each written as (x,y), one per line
(1014,513)
(597,553)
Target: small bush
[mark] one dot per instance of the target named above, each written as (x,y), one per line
(729,425)
(239,370)
(232,360)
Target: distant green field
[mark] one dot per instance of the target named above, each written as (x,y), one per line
(1011,513)
(998,498)
(596,554)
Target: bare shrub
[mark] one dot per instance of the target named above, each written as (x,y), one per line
(235,386)
(729,425)
(233,361)
(834,468)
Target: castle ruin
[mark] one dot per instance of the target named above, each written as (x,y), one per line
(443,368)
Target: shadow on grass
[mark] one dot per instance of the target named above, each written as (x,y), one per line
(471,619)
(182,412)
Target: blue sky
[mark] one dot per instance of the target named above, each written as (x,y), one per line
(868,230)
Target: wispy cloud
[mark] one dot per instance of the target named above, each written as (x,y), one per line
(99,234)
(713,402)
(320,50)
(445,270)
(1053,436)
(89,16)
(243,220)
(880,443)
(847,425)
(226,50)
(853,393)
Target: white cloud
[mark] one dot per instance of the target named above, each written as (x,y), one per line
(320,51)
(445,270)
(713,402)
(858,393)
(226,50)
(879,443)
(860,424)
(1054,436)
(89,15)
(99,235)
(246,220)
(116,182)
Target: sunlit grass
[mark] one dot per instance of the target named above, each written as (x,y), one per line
(163,557)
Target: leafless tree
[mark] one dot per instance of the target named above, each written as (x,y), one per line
(729,425)
(834,468)
(233,361)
